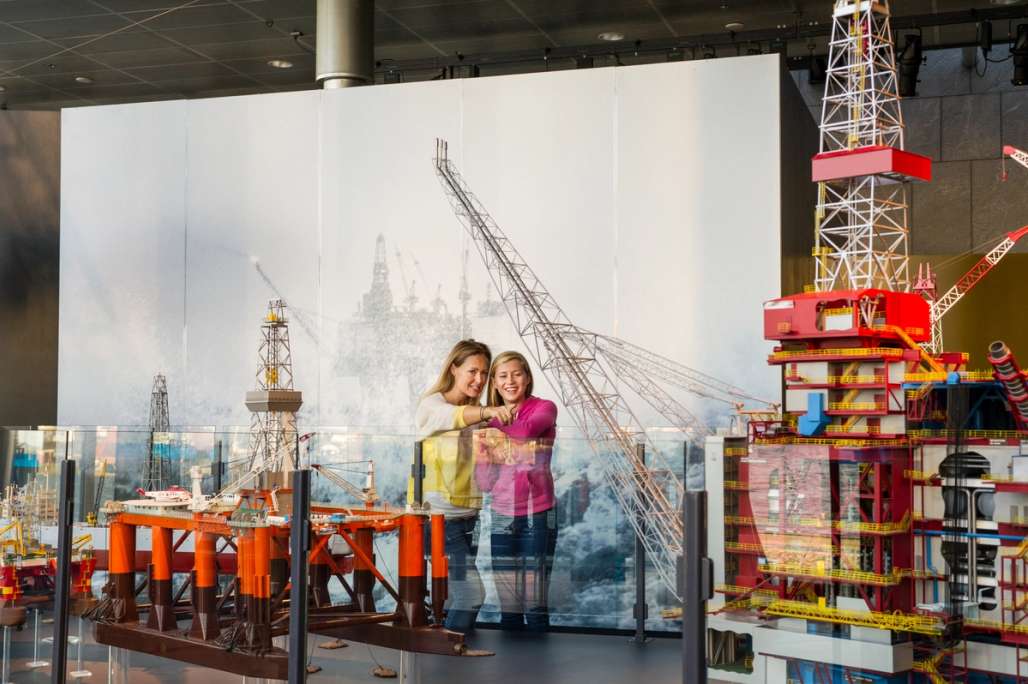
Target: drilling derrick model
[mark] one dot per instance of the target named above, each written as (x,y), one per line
(861,239)
(274,403)
(872,531)
(157,456)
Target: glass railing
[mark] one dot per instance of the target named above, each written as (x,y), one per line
(551,544)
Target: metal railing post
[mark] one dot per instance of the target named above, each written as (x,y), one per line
(639,610)
(62,594)
(417,473)
(299,545)
(696,579)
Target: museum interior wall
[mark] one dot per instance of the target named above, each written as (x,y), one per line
(620,187)
(29,257)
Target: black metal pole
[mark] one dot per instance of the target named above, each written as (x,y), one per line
(217,466)
(417,473)
(65,512)
(640,611)
(299,545)
(697,582)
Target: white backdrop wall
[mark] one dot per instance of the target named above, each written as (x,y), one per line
(647,198)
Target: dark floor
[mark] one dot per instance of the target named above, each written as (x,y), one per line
(519,658)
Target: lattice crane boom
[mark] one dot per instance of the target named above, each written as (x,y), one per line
(567,355)
(679,375)
(644,384)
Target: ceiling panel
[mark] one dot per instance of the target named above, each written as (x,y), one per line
(131,40)
(82,27)
(28,10)
(67,63)
(223,46)
(156,57)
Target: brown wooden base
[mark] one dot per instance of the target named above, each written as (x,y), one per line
(136,637)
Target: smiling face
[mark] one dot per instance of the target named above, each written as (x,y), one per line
(469,377)
(511,382)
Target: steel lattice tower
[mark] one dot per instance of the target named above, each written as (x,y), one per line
(861,236)
(160,424)
(274,403)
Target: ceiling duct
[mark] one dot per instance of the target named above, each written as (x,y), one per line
(345,49)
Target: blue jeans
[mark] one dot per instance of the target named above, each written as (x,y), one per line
(522,550)
(465,590)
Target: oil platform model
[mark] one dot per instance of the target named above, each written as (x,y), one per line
(237,573)
(874,531)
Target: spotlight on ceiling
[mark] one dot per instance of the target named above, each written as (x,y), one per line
(280,63)
(84,80)
(909,64)
(612,36)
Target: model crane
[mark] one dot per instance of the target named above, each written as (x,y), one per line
(647,373)
(1020,156)
(575,362)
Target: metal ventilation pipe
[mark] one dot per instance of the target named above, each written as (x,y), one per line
(345,54)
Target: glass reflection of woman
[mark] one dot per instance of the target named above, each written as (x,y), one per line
(514,466)
(443,415)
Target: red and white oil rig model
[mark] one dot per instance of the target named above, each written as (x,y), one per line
(236,565)
(877,531)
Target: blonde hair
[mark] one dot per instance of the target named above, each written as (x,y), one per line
(460,353)
(492,394)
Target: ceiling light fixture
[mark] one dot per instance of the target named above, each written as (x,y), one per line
(735,26)
(612,36)
(84,80)
(280,63)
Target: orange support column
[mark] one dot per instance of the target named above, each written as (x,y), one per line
(279,563)
(205,588)
(244,575)
(412,570)
(122,569)
(319,574)
(162,613)
(363,577)
(440,568)
(260,602)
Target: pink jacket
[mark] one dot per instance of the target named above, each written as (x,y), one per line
(523,485)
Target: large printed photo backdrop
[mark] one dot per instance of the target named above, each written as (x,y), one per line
(647,200)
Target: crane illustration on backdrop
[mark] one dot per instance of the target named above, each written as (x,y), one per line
(582,366)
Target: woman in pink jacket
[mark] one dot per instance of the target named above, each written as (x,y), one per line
(514,467)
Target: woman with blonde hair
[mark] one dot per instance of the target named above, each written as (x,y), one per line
(515,469)
(444,417)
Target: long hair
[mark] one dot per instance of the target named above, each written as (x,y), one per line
(460,353)
(492,394)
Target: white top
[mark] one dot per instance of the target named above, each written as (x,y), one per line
(435,416)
